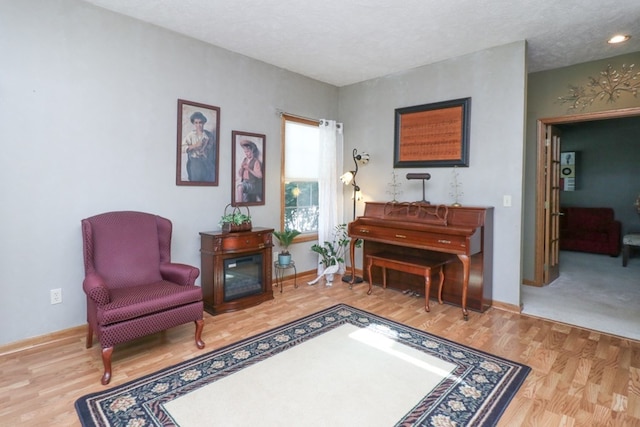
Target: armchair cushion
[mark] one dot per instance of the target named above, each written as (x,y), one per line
(142,300)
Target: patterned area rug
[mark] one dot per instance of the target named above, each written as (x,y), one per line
(384,373)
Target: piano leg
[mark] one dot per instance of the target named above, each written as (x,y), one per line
(465,284)
(441,274)
(352,252)
(370,276)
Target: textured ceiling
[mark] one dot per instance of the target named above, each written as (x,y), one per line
(348,41)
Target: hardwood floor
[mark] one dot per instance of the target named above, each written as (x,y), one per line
(579,377)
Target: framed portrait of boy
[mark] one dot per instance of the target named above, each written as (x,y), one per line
(248,171)
(197,147)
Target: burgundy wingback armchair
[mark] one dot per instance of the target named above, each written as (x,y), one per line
(133,289)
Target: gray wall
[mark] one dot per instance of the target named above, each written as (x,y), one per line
(88,124)
(608,156)
(543,91)
(495,79)
(88,103)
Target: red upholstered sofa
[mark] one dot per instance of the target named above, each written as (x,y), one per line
(590,230)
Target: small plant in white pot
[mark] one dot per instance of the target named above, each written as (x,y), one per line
(285,238)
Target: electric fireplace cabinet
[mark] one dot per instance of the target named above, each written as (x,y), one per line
(236,269)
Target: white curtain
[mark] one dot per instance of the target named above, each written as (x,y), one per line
(329,185)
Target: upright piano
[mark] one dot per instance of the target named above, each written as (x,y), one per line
(462,236)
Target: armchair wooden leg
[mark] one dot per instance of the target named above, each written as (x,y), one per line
(89,336)
(199,327)
(106,361)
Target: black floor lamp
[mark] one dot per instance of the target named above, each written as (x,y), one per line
(350,178)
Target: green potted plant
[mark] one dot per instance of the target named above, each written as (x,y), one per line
(333,252)
(235,220)
(285,238)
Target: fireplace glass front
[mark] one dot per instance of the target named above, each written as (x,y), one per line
(242,276)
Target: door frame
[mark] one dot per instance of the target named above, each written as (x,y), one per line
(540,232)
(551,261)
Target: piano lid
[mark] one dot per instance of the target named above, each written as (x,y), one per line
(427,214)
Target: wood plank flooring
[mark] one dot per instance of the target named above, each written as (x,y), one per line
(579,377)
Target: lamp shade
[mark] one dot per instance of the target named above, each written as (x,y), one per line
(346,178)
(362,158)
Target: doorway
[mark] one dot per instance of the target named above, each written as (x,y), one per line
(546,260)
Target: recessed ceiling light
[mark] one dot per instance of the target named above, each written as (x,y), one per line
(618,39)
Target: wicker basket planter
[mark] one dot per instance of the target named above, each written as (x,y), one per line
(234,220)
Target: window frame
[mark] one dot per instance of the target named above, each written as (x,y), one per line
(308,236)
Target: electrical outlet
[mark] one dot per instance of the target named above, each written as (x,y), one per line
(56,296)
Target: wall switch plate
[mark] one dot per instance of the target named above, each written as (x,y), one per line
(506,201)
(56,296)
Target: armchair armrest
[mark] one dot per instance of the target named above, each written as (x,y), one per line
(95,289)
(181,274)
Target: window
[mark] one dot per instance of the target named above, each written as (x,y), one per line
(300,154)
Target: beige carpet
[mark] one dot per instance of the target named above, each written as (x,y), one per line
(593,291)
(306,386)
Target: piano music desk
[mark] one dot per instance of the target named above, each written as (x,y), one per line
(412,265)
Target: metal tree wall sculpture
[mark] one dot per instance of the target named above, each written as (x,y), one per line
(608,87)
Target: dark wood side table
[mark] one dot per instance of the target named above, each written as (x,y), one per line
(236,269)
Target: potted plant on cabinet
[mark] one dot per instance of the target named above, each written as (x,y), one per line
(285,238)
(235,220)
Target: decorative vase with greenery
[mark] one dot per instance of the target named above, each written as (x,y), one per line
(333,252)
(285,238)
(235,220)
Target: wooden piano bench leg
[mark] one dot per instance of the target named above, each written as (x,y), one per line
(441,274)
(384,277)
(427,288)
(427,283)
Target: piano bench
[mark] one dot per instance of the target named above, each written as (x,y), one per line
(408,264)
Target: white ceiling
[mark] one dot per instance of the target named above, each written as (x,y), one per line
(348,41)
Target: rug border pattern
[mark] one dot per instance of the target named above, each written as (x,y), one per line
(476,393)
